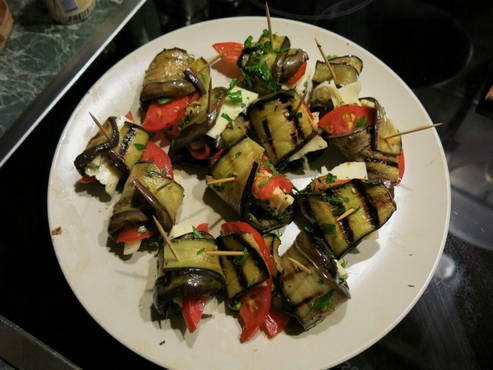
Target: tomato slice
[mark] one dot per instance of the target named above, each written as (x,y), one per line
(86,179)
(203,228)
(160,137)
(275,322)
(192,309)
(129,116)
(254,307)
(132,234)
(153,153)
(297,75)
(216,156)
(402,166)
(243,227)
(162,116)
(231,51)
(203,153)
(264,190)
(344,119)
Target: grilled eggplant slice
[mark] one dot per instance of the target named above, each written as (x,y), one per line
(195,274)
(311,296)
(109,159)
(241,272)
(322,204)
(165,77)
(384,128)
(345,73)
(146,191)
(280,130)
(242,160)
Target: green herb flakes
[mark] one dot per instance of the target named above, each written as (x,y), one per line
(332,199)
(200,251)
(226,117)
(139,146)
(343,263)
(299,114)
(271,167)
(248,42)
(338,211)
(330,178)
(331,56)
(196,234)
(265,33)
(262,182)
(240,260)
(362,122)
(164,100)
(162,342)
(142,229)
(308,229)
(328,228)
(323,302)
(236,155)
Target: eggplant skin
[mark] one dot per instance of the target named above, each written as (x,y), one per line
(264,222)
(185,282)
(165,77)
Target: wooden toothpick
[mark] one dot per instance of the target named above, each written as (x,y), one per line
(220,181)
(350,211)
(326,60)
(267,13)
(224,253)
(100,126)
(300,265)
(165,237)
(416,129)
(211,62)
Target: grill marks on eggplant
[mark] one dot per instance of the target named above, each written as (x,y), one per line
(373,205)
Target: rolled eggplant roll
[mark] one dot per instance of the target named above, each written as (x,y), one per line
(266,66)
(283,132)
(241,272)
(108,160)
(166,78)
(257,194)
(194,274)
(343,214)
(311,296)
(148,190)
(346,69)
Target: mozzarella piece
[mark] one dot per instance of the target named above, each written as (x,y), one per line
(279,201)
(232,110)
(314,144)
(348,94)
(302,84)
(350,170)
(102,169)
(179,230)
(131,247)
(341,272)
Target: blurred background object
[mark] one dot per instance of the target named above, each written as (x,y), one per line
(6,23)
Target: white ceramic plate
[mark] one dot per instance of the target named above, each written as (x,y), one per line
(387,276)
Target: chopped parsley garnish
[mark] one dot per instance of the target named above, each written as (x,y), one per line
(341,281)
(236,155)
(234,96)
(277,233)
(332,199)
(164,100)
(308,229)
(339,211)
(271,167)
(328,228)
(362,122)
(299,114)
(371,182)
(240,260)
(248,42)
(200,251)
(265,33)
(323,301)
(196,234)
(142,229)
(343,263)
(330,178)
(331,56)
(139,146)
(262,182)
(162,342)
(226,117)
(262,72)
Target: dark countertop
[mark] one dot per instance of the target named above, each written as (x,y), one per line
(442,49)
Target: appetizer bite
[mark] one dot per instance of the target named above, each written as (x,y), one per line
(111,153)
(188,274)
(149,191)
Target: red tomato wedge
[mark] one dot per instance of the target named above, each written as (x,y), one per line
(132,234)
(402,166)
(162,116)
(254,307)
(274,323)
(192,308)
(264,191)
(346,118)
(203,228)
(243,227)
(216,156)
(231,51)
(86,179)
(203,153)
(297,75)
(153,153)
(129,116)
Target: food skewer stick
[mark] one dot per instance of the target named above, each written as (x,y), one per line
(220,181)
(209,90)
(300,265)
(416,129)
(100,126)
(165,237)
(224,253)
(345,214)
(267,13)
(211,62)
(326,60)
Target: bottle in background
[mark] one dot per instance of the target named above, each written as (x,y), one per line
(70,11)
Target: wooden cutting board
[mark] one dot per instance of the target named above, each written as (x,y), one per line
(6,23)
